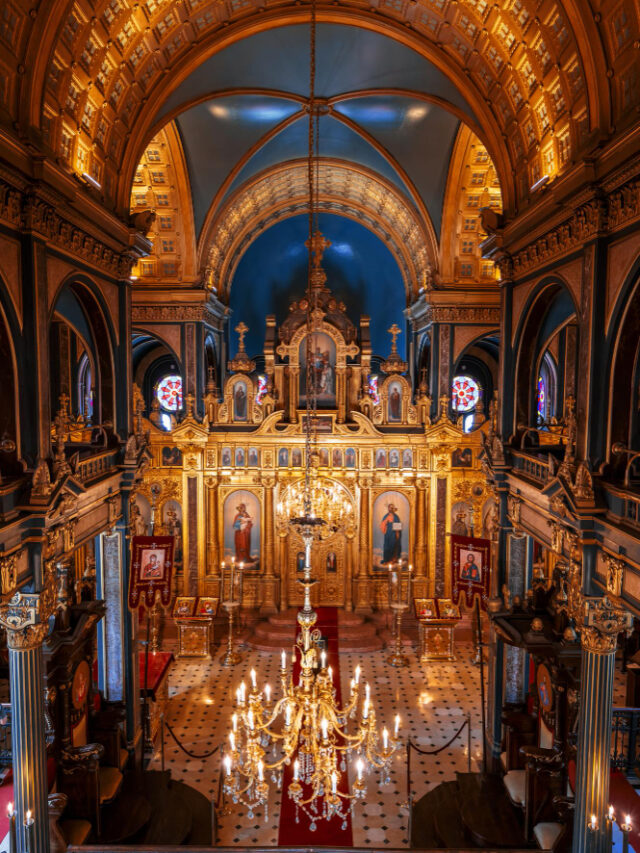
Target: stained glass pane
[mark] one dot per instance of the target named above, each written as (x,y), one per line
(169,393)
(373,388)
(262,388)
(542,399)
(464,393)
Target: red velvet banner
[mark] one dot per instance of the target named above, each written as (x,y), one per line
(470,569)
(151,569)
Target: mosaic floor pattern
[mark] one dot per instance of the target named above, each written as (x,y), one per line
(432,699)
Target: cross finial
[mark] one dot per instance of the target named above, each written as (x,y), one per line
(318,245)
(242,330)
(394,331)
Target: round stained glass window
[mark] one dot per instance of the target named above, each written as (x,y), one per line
(169,393)
(464,393)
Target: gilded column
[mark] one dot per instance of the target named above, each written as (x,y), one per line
(269,581)
(603,622)
(25,618)
(213,560)
(363,583)
(420,582)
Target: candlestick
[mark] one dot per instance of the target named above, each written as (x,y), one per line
(29,832)
(359,768)
(609,823)
(227,764)
(283,660)
(296,770)
(267,693)
(385,738)
(323,659)
(397,725)
(330,673)
(334,782)
(12,828)
(232,741)
(254,681)
(260,771)
(626,829)
(234,722)
(357,674)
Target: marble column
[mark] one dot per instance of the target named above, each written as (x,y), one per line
(603,623)
(362,583)
(515,686)
(420,588)
(26,621)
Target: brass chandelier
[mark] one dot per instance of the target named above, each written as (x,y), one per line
(305,728)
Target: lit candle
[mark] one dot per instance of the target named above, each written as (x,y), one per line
(323,658)
(626,829)
(29,828)
(385,738)
(293,656)
(267,692)
(330,673)
(359,768)
(250,719)
(357,674)
(283,659)
(287,716)
(234,722)
(324,725)
(397,725)
(367,691)
(352,685)
(227,764)
(365,709)
(594,823)
(254,682)
(260,771)
(334,782)
(296,770)
(12,828)
(232,741)
(238,696)
(610,819)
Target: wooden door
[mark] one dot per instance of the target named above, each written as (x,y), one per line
(328,568)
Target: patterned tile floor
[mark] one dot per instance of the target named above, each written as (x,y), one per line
(432,699)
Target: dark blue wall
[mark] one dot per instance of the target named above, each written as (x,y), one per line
(361,272)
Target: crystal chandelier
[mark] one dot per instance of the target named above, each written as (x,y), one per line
(322,505)
(306,727)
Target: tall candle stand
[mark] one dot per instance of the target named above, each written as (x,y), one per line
(399,588)
(231,581)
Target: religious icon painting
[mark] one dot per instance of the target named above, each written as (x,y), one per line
(381,458)
(545,687)
(331,566)
(240,457)
(240,400)
(407,458)
(336,458)
(462,457)
(254,457)
(225,457)
(184,607)
(296,457)
(324,457)
(322,373)
(300,561)
(350,458)
(394,402)
(391,512)
(172,524)
(207,607)
(470,568)
(171,456)
(394,458)
(242,528)
(151,570)
(283,457)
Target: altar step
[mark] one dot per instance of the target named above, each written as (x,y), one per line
(278,631)
(471,812)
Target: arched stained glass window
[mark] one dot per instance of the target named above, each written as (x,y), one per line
(373,388)
(542,399)
(169,393)
(465,393)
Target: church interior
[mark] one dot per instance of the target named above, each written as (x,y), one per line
(320,425)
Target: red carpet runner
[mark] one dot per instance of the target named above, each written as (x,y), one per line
(328,832)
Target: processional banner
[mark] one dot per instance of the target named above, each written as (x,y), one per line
(470,569)
(151,570)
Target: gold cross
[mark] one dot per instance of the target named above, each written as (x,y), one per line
(394,331)
(318,244)
(242,330)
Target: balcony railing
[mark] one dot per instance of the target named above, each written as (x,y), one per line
(625,741)
(531,465)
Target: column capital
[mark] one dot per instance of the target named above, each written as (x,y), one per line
(25,616)
(603,621)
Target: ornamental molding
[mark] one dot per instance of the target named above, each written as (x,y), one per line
(31,212)
(25,616)
(615,575)
(461,314)
(603,621)
(173,314)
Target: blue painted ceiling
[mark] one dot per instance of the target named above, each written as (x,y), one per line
(360,271)
(251,87)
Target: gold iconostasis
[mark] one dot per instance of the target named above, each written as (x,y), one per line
(218,494)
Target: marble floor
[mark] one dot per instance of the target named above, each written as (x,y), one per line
(432,700)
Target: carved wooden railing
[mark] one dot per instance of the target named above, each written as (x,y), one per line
(625,741)
(96,465)
(623,505)
(531,465)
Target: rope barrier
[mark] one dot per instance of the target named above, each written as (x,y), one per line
(185,750)
(410,743)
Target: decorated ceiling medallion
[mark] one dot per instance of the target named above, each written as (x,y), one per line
(464,393)
(169,393)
